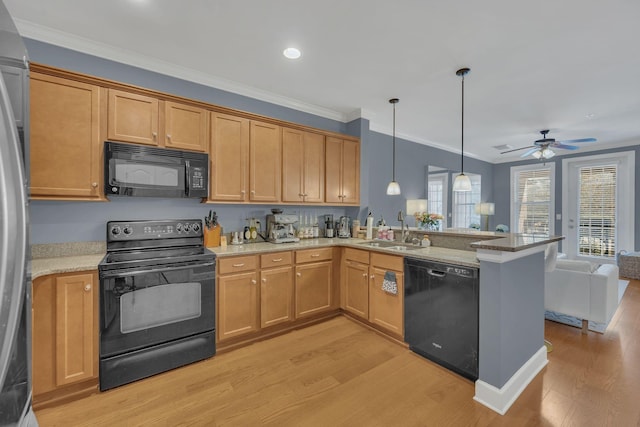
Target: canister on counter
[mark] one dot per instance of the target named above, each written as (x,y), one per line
(355,227)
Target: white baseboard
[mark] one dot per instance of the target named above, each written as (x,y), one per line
(501,399)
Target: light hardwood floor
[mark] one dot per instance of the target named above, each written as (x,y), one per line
(339,373)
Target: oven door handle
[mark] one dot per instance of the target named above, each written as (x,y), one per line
(133,272)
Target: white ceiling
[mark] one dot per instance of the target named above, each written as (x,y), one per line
(571,66)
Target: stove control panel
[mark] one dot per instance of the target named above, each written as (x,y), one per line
(155,229)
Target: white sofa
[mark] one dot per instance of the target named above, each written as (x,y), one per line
(583,290)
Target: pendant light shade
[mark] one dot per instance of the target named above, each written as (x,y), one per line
(462,182)
(393,189)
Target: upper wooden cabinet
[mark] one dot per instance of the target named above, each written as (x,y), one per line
(342,174)
(66,145)
(302,166)
(185,127)
(229,158)
(265,171)
(133,118)
(146,120)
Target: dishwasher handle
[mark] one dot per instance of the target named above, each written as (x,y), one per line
(436,273)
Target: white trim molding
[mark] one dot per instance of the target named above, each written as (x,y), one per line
(501,399)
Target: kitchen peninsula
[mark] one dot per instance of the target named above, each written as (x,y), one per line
(511,324)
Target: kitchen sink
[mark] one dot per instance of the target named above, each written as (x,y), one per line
(391,245)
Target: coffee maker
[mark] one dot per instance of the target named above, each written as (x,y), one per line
(344,231)
(281,228)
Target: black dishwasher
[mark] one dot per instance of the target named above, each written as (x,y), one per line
(441,314)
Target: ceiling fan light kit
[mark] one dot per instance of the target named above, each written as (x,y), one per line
(462,182)
(393,189)
(541,148)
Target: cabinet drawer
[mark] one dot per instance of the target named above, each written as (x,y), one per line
(275,259)
(312,255)
(356,255)
(389,262)
(239,263)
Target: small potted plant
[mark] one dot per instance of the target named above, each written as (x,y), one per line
(212,230)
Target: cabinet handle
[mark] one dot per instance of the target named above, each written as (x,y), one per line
(315,255)
(299,274)
(253,191)
(300,195)
(242,192)
(154,135)
(373,276)
(168,136)
(239,265)
(276,260)
(253,281)
(364,274)
(87,287)
(94,184)
(264,280)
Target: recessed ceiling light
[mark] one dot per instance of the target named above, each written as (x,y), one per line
(291,53)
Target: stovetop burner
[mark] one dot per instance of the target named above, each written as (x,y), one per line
(141,243)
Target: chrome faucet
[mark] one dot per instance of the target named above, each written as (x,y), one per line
(403,236)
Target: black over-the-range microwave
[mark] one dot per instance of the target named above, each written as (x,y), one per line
(138,170)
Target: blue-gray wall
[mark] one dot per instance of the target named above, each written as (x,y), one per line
(502,180)
(412,160)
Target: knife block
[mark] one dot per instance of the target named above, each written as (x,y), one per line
(212,236)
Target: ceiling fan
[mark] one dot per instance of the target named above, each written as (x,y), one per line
(541,149)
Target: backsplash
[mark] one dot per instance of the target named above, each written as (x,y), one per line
(61,222)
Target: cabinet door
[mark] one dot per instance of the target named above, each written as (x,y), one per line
(65,138)
(351,172)
(292,165)
(313,159)
(313,288)
(333,170)
(386,309)
(356,288)
(132,118)
(76,352)
(229,158)
(265,148)
(237,305)
(185,127)
(276,296)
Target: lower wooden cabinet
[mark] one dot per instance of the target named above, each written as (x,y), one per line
(386,309)
(64,335)
(238,297)
(362,289)
(355,282)
(276,289)
(314,281)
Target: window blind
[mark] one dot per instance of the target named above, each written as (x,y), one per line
(464,204)
(597,210)
(533,201)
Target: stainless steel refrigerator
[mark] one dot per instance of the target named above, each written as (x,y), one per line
(15,283)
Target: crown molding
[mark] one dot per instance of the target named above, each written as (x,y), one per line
(60,38)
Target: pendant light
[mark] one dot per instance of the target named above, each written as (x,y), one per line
(462,182)
(393,189)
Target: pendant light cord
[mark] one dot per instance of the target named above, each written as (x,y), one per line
(462,131)
(394,140)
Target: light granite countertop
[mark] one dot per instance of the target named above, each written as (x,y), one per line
(453,256)
(82,256)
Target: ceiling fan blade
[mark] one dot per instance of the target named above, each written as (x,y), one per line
(517,149)
(565,146)
(579,140)
(530,152)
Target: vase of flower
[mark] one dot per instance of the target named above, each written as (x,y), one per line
(428,221)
